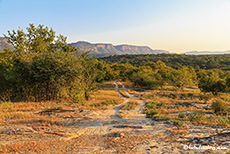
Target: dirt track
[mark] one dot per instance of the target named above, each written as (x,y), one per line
(110,131)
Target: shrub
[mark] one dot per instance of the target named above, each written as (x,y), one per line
(109,102)
(6,106)
(161,105)
(152,96)
(179,106)
(151,113)
(177,123)
(151,105)
(130,105)
(205,97)
(181,115)
(223,121)
(219,107)
(183,96)
(191,95)
(173,96)
(197,117)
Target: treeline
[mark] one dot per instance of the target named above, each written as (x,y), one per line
(44,67)
(155,75)
(174,60)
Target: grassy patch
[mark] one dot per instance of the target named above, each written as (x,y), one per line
(219,107)
(109,102)
(188,106)
(130,105)
(177,123)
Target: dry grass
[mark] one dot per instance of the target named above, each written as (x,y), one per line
(14,115)
(162,103)
(131,105)
(98,97)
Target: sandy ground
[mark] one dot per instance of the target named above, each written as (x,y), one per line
(112,131)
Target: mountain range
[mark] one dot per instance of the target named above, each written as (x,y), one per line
(102,49)
(106,49)
(206,52)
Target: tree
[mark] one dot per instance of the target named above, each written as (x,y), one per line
(183,76)
(38,39)
(211,82)
(44,67)
(228,84)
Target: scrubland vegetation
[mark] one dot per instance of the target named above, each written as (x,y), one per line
(42,67)
(44,74)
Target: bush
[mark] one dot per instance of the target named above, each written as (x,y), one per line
(161,105)
(191,95)
(205,97)
(152,96)
(223,121)
(177,123)
(151,105)
(181,115)
(151,113)
(6,106)
(219,107)
(130,105)
(173,96)
(197,117)
(109,102)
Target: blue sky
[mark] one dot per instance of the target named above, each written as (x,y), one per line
(174,25)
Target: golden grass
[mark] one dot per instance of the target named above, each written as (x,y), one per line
(98,97)
(131,105)
(14,115)
(163,106)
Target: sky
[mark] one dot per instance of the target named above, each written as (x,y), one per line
(173,25)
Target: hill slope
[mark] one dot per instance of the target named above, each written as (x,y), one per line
(102,50)
(5,44)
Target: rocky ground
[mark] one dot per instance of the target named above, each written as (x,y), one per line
(111,131)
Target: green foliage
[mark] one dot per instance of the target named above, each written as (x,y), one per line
(174,60)
(156,105)
(183,76)
(151,105)
(223,121)
(130,105)
(181,115)
(43,67)
(6,106)
(151,113)
(197,117)
(210,81)
(219,107)
(151,75)
(109,102)
(173,96)
(177,123)
(205,97)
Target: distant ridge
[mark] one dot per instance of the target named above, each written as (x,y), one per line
(207,52)
(103,49)
(5,44)
(106,49)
